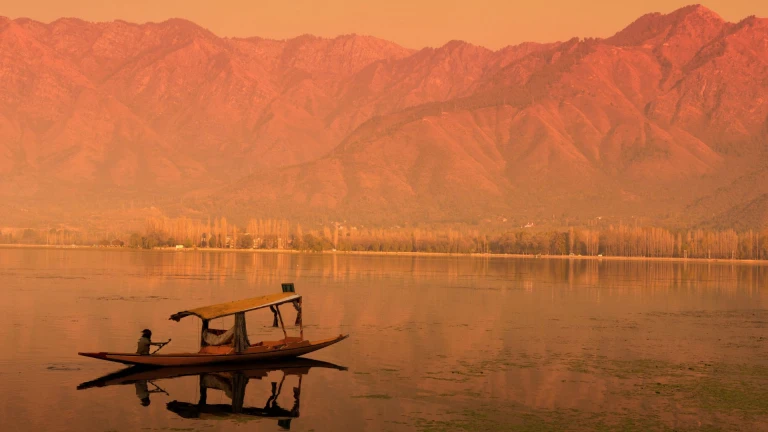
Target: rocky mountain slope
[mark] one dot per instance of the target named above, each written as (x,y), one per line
(666,120)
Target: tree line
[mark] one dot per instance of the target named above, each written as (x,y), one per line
(281,234)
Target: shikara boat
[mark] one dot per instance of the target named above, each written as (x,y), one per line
(225,346)
(134,374)
(231,379)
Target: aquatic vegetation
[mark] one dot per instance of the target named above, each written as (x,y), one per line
(372,396)
(717,394)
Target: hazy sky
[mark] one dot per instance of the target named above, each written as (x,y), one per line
(412,23)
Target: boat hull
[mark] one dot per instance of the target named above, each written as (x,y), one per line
(133,374)
(192,359)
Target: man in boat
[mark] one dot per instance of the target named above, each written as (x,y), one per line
(145,341)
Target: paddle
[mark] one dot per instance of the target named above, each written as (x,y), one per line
(158,389)
(161,346)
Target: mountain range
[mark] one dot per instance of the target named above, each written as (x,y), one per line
(666,120)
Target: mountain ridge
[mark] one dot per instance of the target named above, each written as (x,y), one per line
(651,121)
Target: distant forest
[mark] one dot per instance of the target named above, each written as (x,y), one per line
(615,240)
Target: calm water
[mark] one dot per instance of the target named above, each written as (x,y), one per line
(438,344)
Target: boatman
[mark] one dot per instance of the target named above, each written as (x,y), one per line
(145,341)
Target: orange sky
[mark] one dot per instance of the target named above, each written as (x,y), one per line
(412,23)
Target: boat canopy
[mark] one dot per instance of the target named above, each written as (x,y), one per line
(231,308)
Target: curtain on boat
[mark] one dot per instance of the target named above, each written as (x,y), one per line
(297,306)
(241,333)
(219,339)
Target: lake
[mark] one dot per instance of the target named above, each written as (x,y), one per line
(437,343)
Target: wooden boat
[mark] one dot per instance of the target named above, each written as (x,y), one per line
(133,374)
(227,346)
(232,380)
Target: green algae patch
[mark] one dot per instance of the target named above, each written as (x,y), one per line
(715,395)
(372,396)
(709,395)
(537,421)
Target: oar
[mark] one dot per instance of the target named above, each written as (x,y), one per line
(161,346)
(158,388)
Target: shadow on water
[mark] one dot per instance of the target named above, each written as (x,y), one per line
(232,380)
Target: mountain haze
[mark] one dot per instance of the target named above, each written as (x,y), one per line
(665,120)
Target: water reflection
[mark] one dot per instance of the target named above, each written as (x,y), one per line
(231,380)
(143,391)
(157,268)
(431,336)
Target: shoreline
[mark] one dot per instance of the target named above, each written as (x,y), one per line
(406,254)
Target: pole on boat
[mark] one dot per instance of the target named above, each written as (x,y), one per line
(203,331)
(280,317)
(301,321)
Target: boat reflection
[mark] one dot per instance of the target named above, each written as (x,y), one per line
(232,380)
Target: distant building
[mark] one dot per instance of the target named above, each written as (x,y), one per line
(179,246)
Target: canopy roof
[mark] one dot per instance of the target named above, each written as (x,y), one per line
(231,308)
